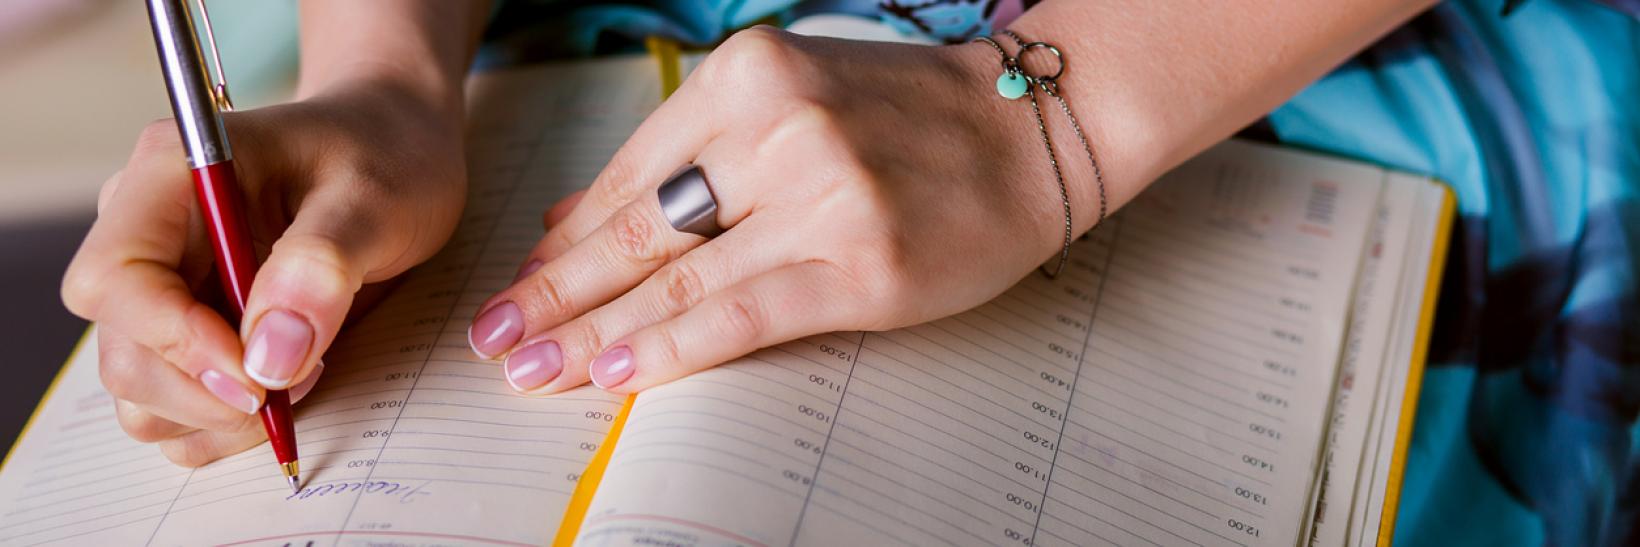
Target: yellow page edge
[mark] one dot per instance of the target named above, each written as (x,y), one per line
(666,54)
(1415,372)
(50,390)
(587,486)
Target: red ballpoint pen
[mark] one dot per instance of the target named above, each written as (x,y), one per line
(198,105)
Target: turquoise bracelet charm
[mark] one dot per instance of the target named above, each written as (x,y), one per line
(1012,85)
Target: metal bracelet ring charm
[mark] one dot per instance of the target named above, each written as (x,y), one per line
(687,202)
(1020,59)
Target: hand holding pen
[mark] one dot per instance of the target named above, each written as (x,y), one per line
(347,186)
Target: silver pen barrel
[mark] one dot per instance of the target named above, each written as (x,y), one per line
(192,98)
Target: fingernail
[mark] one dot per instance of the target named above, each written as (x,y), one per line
(230,392)
(534,365)
(612,368)
(495,330)
(277,349)
(529,268)
(301,390)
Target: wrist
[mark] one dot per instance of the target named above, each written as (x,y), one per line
(1102,107)
(1014,142)
(413,49)
(425,91)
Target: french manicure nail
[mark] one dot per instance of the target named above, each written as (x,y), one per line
(495,330)
(230,392)
(534,365)
(612,368)
(529,268)
(277,348)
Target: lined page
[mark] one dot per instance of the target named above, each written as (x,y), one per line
(1361,377)
(1170,388)
(1377,477)
(408,437)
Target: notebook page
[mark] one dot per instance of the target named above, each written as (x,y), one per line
(1169,389)
(408,438)
(1376,475)
(1366,355)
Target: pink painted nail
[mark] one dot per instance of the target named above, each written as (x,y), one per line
(277,348)
(495,330)
(529,268)
(534,365)
(230,392)
(612,368)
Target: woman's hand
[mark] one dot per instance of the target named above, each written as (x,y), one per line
(868,185)
(863,186)
(346,188)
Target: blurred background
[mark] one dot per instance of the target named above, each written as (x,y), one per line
(78,80)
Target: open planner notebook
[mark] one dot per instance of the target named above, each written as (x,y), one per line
(1230,360)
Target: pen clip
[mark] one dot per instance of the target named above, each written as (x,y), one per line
(219,87)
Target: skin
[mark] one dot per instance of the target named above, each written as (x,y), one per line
(865,186)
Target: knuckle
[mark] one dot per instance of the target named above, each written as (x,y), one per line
(143,430)
(138,424)
(318,261)
(106,194)
(175,349)
(80,291)
(667,348)
(741,318)
(231,420)
(157,135)
(551,298)
(620,182)
(762,44)
(635,237)
(122,372)
(191,450)
(560,240)
(683,288)
(760,53)
(583,343)
(763,32)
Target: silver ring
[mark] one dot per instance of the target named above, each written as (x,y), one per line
(686,200)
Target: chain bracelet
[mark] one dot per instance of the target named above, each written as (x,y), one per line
(1015,83)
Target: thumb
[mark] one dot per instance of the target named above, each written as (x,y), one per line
(304,290)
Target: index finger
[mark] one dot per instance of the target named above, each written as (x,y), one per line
(125,274)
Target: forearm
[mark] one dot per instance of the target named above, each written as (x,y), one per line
(1154,83)
(421,46)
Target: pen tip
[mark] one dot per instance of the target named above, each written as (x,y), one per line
(290,470)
